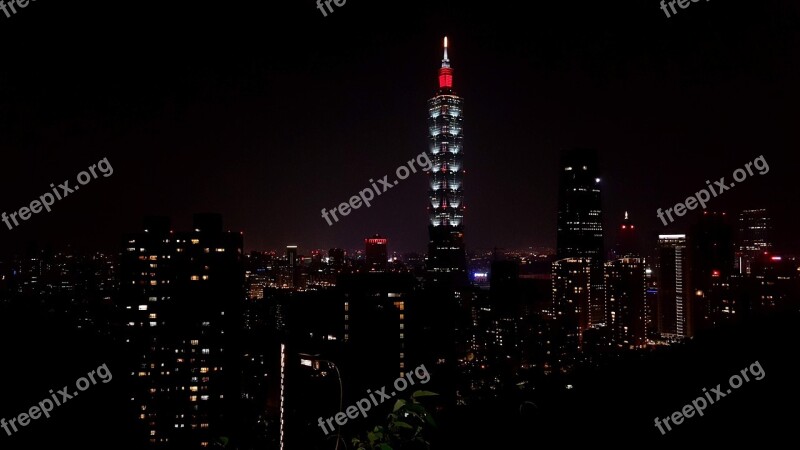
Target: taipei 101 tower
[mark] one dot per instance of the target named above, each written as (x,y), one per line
(446,256)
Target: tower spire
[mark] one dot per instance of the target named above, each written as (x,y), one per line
(445,60)
(446,72)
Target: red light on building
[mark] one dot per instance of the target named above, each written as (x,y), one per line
(376,241)
(715,273)
(445,78)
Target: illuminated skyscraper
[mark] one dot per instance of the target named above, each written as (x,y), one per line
(674,307)
(580,221)
(755,228)
(569,312)
(625,289)
(446,255)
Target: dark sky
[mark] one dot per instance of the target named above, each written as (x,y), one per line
(269,113)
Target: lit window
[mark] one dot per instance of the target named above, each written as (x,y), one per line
(142,307)
(195,277)
(195,241)
(152,316)
(204,370)
(195,342)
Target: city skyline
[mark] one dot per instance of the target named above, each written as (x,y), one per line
(537,248)
(529,96)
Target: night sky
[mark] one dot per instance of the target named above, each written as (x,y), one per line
(269,113)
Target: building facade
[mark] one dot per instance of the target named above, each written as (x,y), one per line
(182,294)
(446,253)
(580,221)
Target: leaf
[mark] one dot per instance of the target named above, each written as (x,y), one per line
(398,404)
(384,447)
(431,422)
(400,424)
(418,409)
(419,394)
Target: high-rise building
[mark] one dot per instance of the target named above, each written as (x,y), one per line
(376,253)
(627,239)
(336,259)
(754,237)
(625,289)
(712,257)
(580,221)
(569,313)
(291,256)
(674,289)
(446,254)
(183,293)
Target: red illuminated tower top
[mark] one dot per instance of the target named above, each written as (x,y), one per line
(445,72)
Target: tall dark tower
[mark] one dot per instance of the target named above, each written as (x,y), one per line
(627,239)
(580,221)
(446,255)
